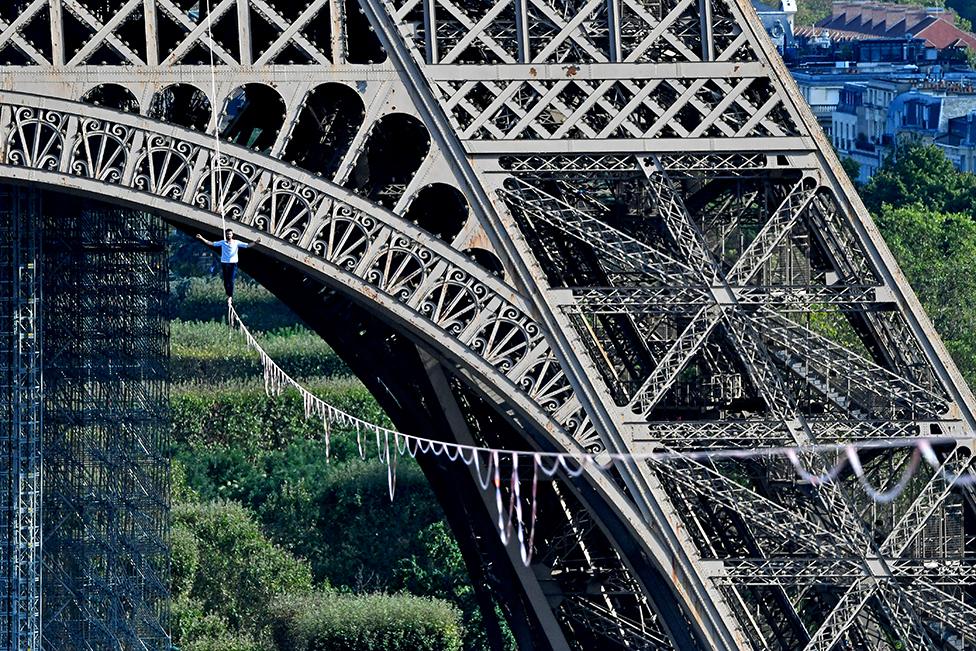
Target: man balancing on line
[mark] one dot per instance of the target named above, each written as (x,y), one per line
(228,257)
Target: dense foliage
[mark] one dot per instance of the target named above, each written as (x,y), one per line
(937,252)
(810,12)
(922,175)
(226,574)
(966,10)
(925,209)
(323,622)
(253,482)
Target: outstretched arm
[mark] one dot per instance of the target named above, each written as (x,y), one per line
(247,245)
(204,240)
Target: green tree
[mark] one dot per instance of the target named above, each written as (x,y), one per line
(966,10)
(852,167)
(971,58)
(810,12)
(439,571)
(937,252)
(226,573)
(921,175)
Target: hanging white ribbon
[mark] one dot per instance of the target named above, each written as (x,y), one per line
(488,474)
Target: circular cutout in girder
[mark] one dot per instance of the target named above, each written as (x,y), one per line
(113,96)
(182,104)
(439,209)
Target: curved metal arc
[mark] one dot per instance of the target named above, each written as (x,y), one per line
(206,142)
(476,370)
(390,254)
(391,309)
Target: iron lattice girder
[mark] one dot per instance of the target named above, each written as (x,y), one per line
(841,248)
(816,359)
(647,436)
(690,241)
(766,518)
(934,493)
(837,508)
(644,300)
(815,570)
(948,609)
(629,253)
(659,28)
(103,33)
(559,97)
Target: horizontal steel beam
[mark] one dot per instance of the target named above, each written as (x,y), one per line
(734,434)
(598,71)
(635,300)
(792,571)
(784,146)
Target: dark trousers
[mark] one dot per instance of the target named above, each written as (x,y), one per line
(229,270)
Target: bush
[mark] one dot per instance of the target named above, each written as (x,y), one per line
(331,622)
(439,570)
(239,572)
(195,630)
(341,519)
(184,560)
(207,416)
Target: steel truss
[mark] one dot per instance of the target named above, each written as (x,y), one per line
(656,249)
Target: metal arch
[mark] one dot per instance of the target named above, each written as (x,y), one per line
(570,91)
(85,148)
(99,152)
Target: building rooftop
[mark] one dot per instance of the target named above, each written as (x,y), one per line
(862,20)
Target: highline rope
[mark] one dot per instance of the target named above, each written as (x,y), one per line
(487,462)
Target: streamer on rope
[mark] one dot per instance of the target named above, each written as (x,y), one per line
(487,463)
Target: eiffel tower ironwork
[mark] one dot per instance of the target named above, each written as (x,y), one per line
(578,224)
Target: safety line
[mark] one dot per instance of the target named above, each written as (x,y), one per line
(216,183)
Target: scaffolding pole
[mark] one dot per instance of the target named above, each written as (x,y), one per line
(20,429)
(106,498)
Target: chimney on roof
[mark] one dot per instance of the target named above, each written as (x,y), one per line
(880,15)
(896,19)
(913,16)
(840,9)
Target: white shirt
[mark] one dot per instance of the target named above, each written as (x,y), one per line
(228,250)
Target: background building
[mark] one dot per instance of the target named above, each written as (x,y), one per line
(878,74)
